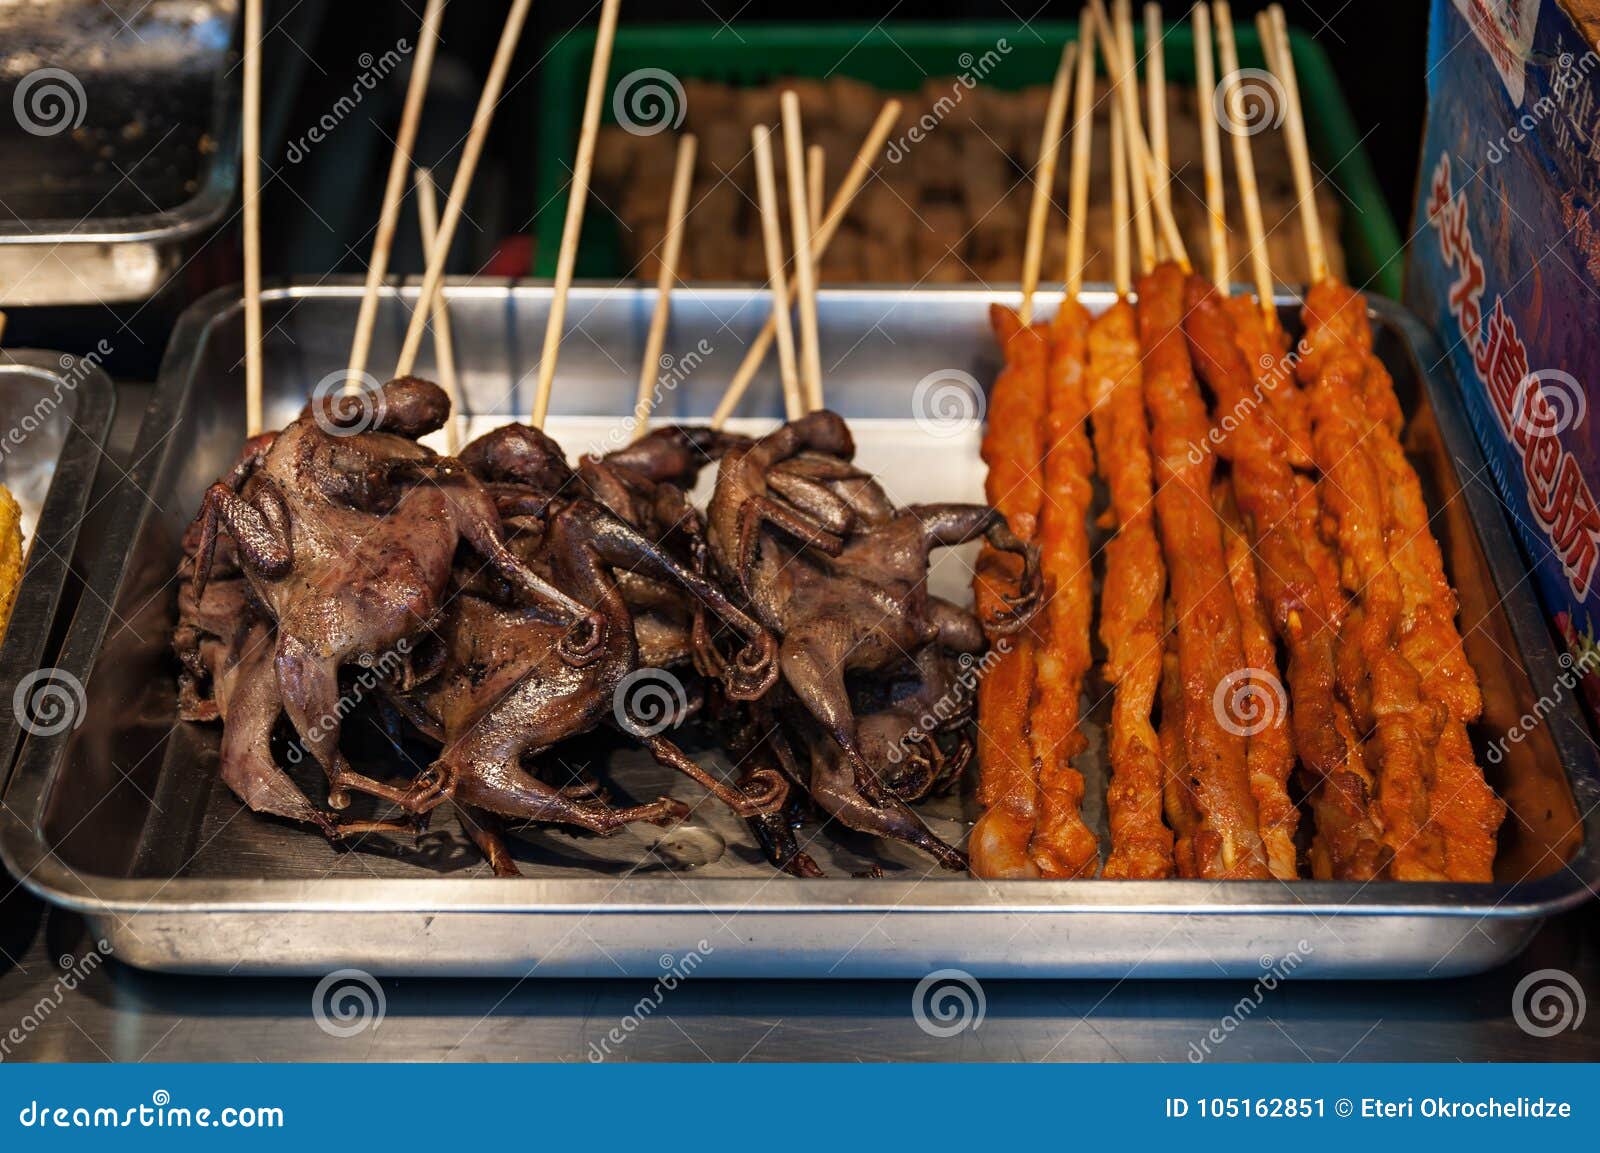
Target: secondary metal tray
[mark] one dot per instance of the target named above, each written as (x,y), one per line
(55,411)
(123,150)
(123,819)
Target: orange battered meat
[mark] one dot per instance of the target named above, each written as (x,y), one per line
(1013,448)
(1063,845)
(1226,843)
(1132,624)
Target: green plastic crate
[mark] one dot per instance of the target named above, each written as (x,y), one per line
(897,57)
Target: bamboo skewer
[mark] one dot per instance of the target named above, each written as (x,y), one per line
(577,197)
(1082,138)
(444,345)
(471,152)
(1211,149)
(251,187)
(394,190)
(1140,177)
(804,261)
(860,169)
(1156,103)
(1280,58)
(671,249)
(1121,260)
(772,245)
(1138,150)
(1245,168)
(816,168)
(1044,179)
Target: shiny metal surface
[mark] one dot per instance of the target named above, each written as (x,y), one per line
(120,149)
(55,411)
(123,822)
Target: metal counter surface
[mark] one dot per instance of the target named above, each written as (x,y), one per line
(119,1013)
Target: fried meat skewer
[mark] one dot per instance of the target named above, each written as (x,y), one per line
(1013,448)
(1280,581)
(1218,834)
(1443,791)
(1063,845)
(1132,620)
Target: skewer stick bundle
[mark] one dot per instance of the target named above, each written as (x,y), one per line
(443,335)
(860,169)
(1082,138)
(577,197)
(394,190)
(252,217)
(1156,97)
(1274,30)
(471,152)
(1121,257)
(772,243)
(1140,176)
(804,259)
(671,249)
(1211,148)
(1244,164)
(1138,149)
(1044,179)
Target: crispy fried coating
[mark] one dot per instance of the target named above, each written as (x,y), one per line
(1013,448)
(1298,582)
(1226,844)
(1063,845)
(11,554)
(1132,624)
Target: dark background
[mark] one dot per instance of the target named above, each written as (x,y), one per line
(319,214)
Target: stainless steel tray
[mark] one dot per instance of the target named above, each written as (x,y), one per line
(55,411)
(122,152)
(123,820)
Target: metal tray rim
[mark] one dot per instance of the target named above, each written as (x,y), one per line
(36,866)
(68,497)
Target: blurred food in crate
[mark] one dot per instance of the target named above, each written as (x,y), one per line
(11,556)
(950,203)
